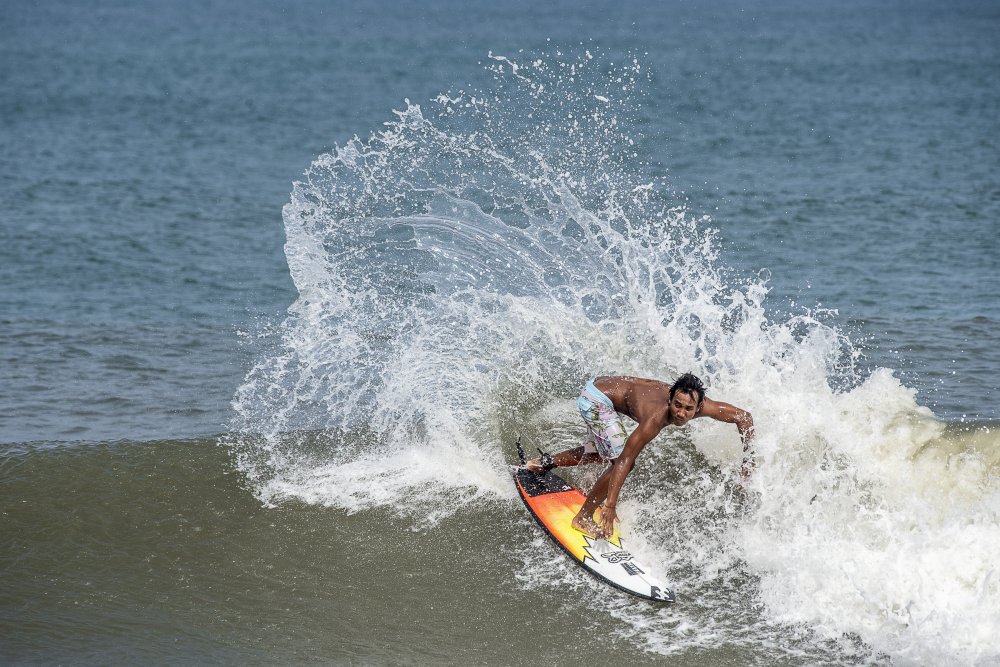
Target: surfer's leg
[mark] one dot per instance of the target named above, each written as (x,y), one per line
(588,452)
(568,457)
(605,431)
(584,519)
(605,441)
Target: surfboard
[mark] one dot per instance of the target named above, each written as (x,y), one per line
(553,503)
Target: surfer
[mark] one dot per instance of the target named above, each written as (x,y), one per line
(653,405)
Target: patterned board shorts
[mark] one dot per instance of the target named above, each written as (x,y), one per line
(605,431)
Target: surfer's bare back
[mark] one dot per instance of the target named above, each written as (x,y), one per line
(654,405)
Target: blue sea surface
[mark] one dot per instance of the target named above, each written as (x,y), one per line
(847,154)
(850,151)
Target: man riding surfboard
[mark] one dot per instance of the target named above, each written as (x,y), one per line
(653,405)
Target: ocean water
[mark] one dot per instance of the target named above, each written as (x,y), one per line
(280,285)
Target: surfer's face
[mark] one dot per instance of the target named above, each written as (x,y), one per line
(683,407)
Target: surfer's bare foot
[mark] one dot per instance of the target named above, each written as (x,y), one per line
(588,527)
(535,465)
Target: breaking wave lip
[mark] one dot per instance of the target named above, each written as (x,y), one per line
(461,273)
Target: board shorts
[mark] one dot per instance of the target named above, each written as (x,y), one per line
(605,430)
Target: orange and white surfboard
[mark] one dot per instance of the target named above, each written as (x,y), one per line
(554,503)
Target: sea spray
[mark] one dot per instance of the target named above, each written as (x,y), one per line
(461,273)
(866,527)
(502,245)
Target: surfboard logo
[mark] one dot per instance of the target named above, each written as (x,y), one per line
(632,569)
(617,556)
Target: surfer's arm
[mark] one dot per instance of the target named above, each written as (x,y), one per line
(730,414)
(724,412)
(623,465)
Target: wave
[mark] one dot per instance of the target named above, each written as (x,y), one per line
(461,272)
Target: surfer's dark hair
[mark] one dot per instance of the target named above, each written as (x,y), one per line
(688,384)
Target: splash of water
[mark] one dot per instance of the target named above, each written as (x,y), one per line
(461,272)
(457,266)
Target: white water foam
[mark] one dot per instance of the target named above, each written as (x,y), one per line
(869,525)
(463,271)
